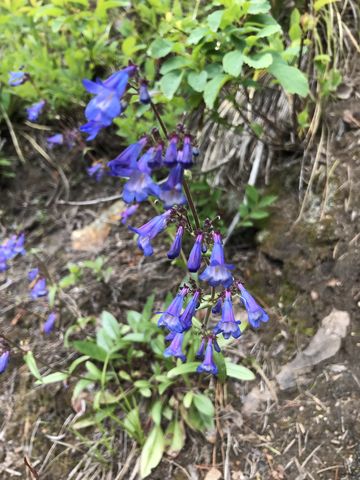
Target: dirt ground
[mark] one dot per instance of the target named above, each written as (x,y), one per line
(300,271)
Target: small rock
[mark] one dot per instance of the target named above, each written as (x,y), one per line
(325,344)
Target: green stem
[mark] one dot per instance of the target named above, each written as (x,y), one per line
(208,312)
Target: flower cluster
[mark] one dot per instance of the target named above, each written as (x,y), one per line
(33,111)
(10,248)
(154,166)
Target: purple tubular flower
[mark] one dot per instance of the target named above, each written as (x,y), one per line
(139,187)
(171,317)
(34,272)
(49,324)
(34,110)
(18,248)
(144,95)
(170,159)
(149,231)
(57,139)
(217,307)
(123,164)
(228,326)
(97,171)
(256,314)
(3,263)
(175,248)
(39,289)
(186,158)
(4,361)
(171,190)
(189,312)
(128,212)
(106,103)
(92,128)
(208,365)
(156,160)
(18,78)
(10,248)
(200,352)
(218,272)
(194,260)
(175,347)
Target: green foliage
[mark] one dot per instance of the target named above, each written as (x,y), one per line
(255,206)
(122,369)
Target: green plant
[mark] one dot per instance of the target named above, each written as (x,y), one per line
(123,375)
(254,207)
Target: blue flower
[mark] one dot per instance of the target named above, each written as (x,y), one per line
(96,170)
(57,139)
(34,272)
(187,315)
(3,262)
(12,247)
(256,314)
(4,361)
(218,272)
(194,260)
(128,212)
(172,190)
(144,95)
(49,324)
(34,110)
(106,103)
(18,78)
(18,248)
(171,317)
(175,348)
(156,160)
(217,307)
(186,158)
(228,326)
(150,230)
(123,164)
(208,365)
(92,128)
(139,187)
(201,349)
(175,248)
(170,159)
(39,289)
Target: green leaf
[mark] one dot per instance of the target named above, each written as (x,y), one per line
(214,20)
(175,434)
(134,337)
(251,193)
(170,83)
(174,63)
(132,424)
(233,62)
(110,325)
(52,295)
(213,88)
(95,372)
(152,451)
(182,369)
(239,372)
(220,363)
(129,46)
(77,362)
(160,48)
(187,400)
(259,6)
(196,35)
(267,200)
(90,348)
(53,378)
(197,81)
(290,78)
(148,308)
(319,4)
(204,404)
(259,60)
(32,366)
(155,412)
(259,214)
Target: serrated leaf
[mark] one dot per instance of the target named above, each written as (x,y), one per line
(259,60)
(182,369)
(239,372)
(152,451)
(290,78)
(171,82)
(233,62)
(197,81)
(160,48)
(213,88)
(214,20)
(31,364)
